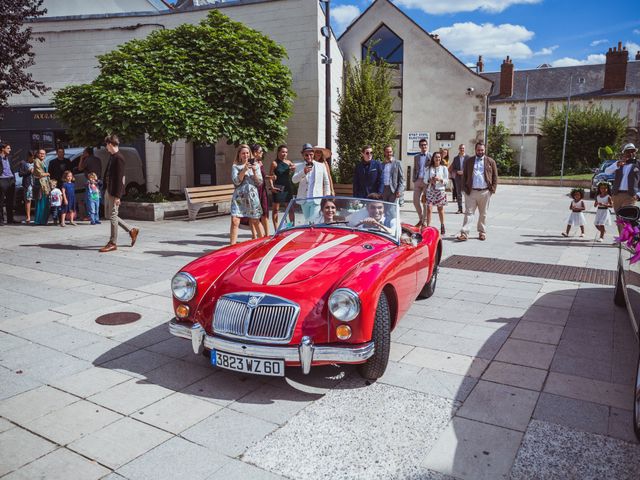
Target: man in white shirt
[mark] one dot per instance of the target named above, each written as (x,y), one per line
(420,161)
(313,182)
(392,177)
(627,175)
(479,179)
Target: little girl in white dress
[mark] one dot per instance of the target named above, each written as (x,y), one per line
(603,203)
(577,207)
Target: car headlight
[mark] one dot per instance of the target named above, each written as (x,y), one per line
(344,304)
(183,286)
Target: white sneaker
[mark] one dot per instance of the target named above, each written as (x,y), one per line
(581,235)
(599,240)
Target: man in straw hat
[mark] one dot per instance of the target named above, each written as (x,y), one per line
(627,175)
(313,182)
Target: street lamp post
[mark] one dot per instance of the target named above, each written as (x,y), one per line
(523,126)
(566,127)
(326,32)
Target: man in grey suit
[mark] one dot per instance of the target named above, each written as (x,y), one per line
(420,161)
(455,172)
(392,177)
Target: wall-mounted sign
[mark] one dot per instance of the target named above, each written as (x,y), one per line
(445,136)
(413,140)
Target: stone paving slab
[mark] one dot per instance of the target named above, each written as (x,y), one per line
(495,376)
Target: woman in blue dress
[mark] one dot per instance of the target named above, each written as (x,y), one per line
(245,201)
(68,199)
(41,188)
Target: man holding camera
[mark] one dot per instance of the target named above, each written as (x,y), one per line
(627,175)
(313,182)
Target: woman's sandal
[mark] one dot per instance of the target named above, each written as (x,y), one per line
(462,237)
(482,236)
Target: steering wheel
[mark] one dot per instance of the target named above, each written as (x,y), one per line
(377,224)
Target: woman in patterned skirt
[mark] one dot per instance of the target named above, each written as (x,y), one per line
(245,201)
(436,176)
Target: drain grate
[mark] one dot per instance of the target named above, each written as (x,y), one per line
(529,269)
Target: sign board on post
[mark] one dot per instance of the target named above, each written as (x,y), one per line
(413,139)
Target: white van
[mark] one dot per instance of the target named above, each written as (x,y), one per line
(133,169)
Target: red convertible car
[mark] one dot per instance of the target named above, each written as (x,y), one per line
(327,288)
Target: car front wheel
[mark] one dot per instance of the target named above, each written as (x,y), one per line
(377,363)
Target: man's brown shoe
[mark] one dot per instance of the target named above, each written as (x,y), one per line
(134,235)
(109,247)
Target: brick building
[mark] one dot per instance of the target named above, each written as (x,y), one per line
(614,85)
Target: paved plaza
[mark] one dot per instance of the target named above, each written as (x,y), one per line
(494,377)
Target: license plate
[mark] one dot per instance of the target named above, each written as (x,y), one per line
(257,366)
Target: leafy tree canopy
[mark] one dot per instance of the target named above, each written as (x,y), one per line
(589,129)
(499,149)
(366,113)
(199,82)
(15,48)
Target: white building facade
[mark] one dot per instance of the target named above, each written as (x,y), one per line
(435,94)
(68,57)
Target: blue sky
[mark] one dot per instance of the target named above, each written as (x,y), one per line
(532,32)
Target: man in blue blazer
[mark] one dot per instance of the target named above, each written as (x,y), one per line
(367,177)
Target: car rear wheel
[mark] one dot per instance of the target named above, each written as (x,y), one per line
(377,363)
(618,295)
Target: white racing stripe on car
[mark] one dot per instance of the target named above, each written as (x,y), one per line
(279,277)
(261,271)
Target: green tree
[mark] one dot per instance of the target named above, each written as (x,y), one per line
(589,128)
(366,114)
(499,149)
(15,48)
(218,79)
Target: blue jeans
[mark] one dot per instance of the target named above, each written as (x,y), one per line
(93,209)
(55,213)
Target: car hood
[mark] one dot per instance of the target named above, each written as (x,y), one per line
(299,255)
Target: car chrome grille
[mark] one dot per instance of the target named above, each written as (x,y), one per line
(256,317)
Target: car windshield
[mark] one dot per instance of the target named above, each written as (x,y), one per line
(373,216)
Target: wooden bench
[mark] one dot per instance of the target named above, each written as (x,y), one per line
(343,189)
(198,197)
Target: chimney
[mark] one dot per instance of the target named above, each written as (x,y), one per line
(615,69)
(638,55)
(506,78)
(480,65)
(436,37)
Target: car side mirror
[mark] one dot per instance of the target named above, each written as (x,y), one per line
(629,213)
(595,170)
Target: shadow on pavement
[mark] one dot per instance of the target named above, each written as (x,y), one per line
(62,246)
(219,384)
(530,406)
(178,253)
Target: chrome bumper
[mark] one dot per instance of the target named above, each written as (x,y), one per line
(306,353)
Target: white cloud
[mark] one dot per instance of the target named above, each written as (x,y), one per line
(488,40)
(636,31)
(342,16)
(595,43)
(546,51)
(633,48)
(572,62)
(437,7)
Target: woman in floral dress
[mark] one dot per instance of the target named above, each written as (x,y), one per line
(245,201)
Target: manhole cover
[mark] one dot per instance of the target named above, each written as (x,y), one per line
(118,318)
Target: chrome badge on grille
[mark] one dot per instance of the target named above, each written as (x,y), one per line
(253,301)
(256,317)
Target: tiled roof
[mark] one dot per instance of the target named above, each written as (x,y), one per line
(553,83)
